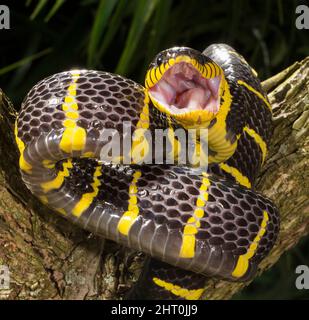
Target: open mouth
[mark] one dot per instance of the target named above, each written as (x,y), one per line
(183,89)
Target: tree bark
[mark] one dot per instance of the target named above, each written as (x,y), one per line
(49,258)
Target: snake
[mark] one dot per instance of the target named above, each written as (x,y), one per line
(192,221)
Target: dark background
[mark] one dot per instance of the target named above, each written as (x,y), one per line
(123,36)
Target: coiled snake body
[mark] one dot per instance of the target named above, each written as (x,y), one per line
(193,223)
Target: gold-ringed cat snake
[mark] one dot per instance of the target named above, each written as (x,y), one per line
(192,222)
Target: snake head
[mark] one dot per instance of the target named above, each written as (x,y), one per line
(187,85)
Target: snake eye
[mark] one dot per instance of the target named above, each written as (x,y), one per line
(159,60)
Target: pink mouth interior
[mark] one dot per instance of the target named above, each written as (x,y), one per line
(182,89)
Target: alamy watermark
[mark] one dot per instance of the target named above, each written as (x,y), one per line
(159,146)
(302,281)
(4,278)
(4,17)
(302,20)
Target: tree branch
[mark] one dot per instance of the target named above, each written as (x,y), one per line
(50,258)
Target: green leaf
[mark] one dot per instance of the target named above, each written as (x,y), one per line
(41,4)
(54,9)
(280,12)
(141,16)
(28,2)
(103,13)
(162,14)
(113,27)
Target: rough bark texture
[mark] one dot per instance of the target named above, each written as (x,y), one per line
(49,258)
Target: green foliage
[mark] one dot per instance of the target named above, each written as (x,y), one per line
(102,16)
(123,36)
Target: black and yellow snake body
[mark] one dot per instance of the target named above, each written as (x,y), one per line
(193,221)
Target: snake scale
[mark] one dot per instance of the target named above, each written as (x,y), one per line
(192,222)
